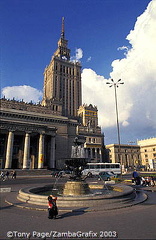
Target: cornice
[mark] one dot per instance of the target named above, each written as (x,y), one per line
(34,118)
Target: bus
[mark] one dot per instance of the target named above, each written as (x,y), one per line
(96,168)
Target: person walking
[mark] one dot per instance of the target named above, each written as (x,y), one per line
(14,174)
(7,174)
(3,176)
(136,177)
(152,181)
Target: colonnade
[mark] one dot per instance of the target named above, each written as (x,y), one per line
(93,153)
(26,154)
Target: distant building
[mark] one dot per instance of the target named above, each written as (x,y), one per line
(92,132)
(42,135)
(148,152)
(129,154)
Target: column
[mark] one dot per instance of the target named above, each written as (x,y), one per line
(86,153)
(91,153)
(41,151)
(26,157)
(96,156)
(9,150)
(100,153)
(52,163)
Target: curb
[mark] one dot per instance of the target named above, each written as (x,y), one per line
(145,197)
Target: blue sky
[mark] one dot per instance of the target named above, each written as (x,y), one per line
(31,29)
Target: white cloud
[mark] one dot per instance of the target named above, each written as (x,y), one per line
(124,48)
(24,92)
(89,59)
(136,98)
(78,55)
(96,92)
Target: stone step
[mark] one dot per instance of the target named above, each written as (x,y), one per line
(31,172)
(140,197)
(31,196)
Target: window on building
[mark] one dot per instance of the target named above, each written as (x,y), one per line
(56,66)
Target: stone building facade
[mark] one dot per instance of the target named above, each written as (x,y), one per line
(128,154)
(42,135)
(92,132)
(148,152)
(33,138)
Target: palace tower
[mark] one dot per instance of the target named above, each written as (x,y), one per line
(62,81)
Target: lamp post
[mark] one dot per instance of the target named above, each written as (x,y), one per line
(116,85)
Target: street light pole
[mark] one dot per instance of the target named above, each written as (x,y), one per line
(116,85)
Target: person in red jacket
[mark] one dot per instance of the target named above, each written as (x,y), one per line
(52,207)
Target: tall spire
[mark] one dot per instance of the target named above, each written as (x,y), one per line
(62,33)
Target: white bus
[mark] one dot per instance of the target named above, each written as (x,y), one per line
(96,168)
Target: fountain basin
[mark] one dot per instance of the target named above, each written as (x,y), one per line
(104,196)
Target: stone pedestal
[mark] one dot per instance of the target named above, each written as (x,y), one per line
(76,188)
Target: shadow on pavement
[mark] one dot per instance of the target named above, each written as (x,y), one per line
(76,212)
(6,207)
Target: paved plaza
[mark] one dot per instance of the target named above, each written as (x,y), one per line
(136,222)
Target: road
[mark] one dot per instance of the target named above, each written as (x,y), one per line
(137,222)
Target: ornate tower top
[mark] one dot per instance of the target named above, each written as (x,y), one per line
(63,52)
(62,33)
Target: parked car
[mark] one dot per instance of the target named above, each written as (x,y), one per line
(65,173)
(113,175)
(61,173)
(55,173)
(105,176)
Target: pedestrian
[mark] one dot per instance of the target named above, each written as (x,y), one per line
(14,174)
(3,176)
(148,181)
(7,174)
(152,181)
(143,181)
(52,207)
(135,176)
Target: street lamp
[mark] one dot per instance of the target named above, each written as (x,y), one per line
(116,85)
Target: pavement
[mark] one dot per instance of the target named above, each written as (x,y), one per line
(137,222)
(11,199)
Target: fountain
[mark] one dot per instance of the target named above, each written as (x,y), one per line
(75,186)
(78,193)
